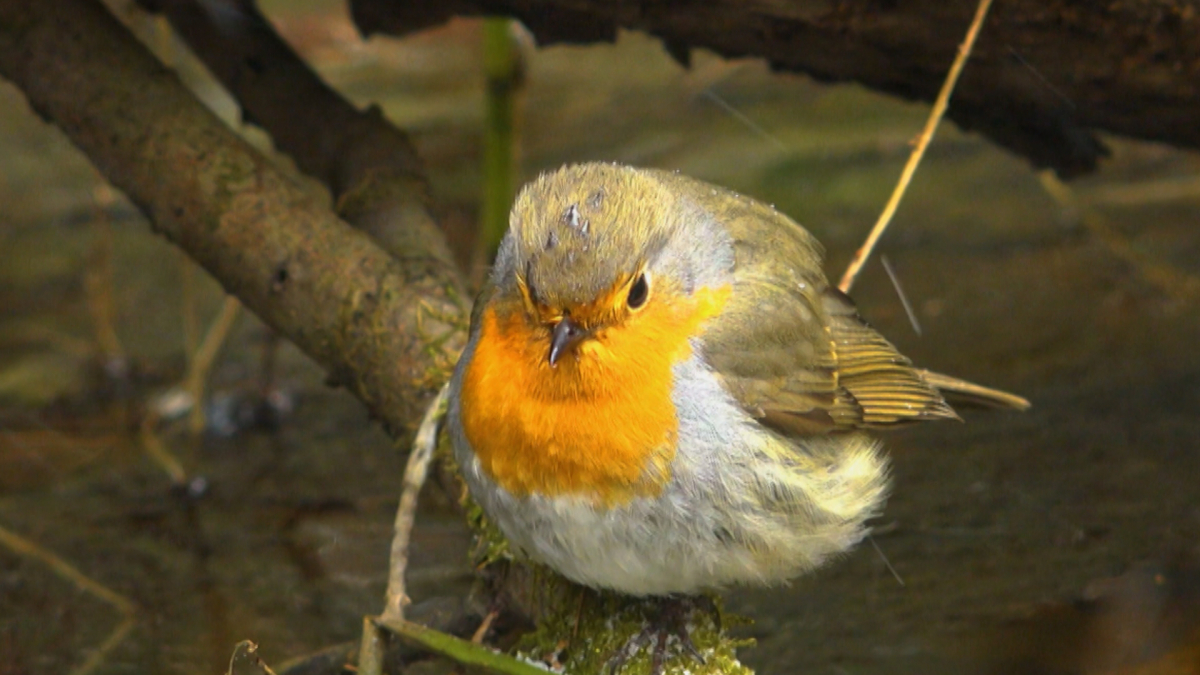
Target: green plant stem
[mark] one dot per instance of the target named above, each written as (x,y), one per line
(502,72)
(462,651)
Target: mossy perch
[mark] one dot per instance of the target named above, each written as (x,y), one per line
(579,628)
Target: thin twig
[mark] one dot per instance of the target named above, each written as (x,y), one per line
(66,570)
(484,626)
(201,363)
(935,117)
(157,452)
(248,649)
(414,477)
(93,661)
(371,647)
(99,280)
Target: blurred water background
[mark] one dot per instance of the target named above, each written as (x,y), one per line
(1062,540)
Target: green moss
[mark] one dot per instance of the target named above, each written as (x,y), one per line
(591,627)
(490,545)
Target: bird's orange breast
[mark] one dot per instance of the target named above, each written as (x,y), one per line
(601,424)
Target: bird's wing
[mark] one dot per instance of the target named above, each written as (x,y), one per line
(794,351)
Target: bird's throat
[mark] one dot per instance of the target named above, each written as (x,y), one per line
(601,424)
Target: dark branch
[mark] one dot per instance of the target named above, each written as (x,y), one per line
(1042,79)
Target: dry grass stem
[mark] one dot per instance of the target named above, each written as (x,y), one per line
(22,546)
(157,452)
(249,650)
(484,626)
(98,279)
(910,169)
(414,477)
(371,647)
(200,363)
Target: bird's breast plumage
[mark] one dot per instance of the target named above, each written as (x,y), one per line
(601,424)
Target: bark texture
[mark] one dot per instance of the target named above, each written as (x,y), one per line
(387,327)
(1043,78)
(369,165)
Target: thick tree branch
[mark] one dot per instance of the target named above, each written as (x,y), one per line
(387,327)
(369,165)
(1043,78)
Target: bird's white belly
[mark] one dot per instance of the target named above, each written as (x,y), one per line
(742,506)
(652,546)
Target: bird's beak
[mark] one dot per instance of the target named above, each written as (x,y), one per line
(566,334)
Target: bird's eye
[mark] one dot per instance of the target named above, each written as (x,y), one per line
(638,293)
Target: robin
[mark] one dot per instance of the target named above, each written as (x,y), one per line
(662,394)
